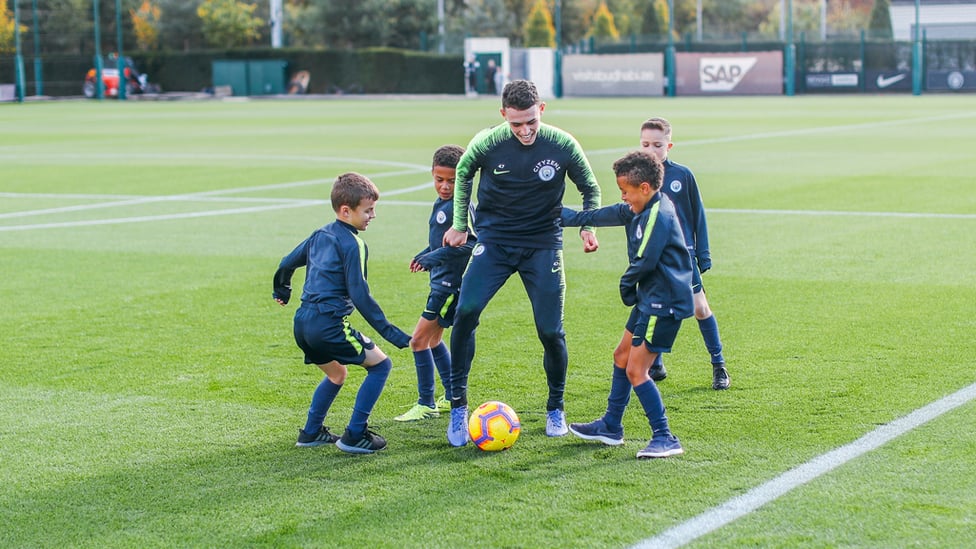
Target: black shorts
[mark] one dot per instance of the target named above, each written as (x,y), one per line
(324,338)
(662,329)
(441,307)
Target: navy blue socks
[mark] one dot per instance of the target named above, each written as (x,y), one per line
(442,360)
(650,399)
(369,393)
(424,361)
(713,342)
(618,399)
(322,399)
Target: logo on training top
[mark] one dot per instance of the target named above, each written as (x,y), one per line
(441,217)
(675,186)
(886,81)
(639,233)
(723,74)
(478,249)
(500,170)
(546,169)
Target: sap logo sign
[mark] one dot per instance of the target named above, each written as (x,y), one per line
(722,74)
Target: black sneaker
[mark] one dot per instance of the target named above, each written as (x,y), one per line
(322,437)
(368,443)
(720,377)
(658,373)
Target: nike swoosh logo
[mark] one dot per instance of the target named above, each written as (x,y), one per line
(500,172)
(885,82)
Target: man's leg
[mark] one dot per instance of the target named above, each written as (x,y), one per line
(545,282)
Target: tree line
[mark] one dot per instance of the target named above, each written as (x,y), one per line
(66,26)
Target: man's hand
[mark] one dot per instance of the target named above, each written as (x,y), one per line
(590,243)
(455,238)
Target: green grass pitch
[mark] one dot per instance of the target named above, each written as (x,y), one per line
(151,390)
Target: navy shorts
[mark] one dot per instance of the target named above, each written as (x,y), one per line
(324,338)
(441,307)
(657,332)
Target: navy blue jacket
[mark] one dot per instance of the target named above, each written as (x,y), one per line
(335,278)
(682,189)
(658,279)
(446,264)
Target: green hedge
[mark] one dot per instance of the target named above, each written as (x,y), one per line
(375,70)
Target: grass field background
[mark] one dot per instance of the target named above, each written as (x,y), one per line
(152,391)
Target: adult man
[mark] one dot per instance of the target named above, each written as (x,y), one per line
(523,165)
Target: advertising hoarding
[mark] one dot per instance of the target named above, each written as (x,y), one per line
(628,75)
(746,73)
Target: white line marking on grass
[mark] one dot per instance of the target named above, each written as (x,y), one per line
(165,217)
(740,506)
(279,204)
(802,131)
(916,215)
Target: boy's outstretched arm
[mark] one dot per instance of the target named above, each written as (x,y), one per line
(282,278)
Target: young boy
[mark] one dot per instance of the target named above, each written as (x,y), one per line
(657,284)
(335,285)
(682,189)
(446,265)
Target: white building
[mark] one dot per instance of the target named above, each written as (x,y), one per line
(939,19)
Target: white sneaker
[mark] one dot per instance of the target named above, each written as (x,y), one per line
(556,423)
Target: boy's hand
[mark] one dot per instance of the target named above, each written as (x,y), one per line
(590,243)
(628,294)
(704,263)
(415,266)
(282,294)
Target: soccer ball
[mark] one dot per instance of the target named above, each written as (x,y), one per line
(494,426)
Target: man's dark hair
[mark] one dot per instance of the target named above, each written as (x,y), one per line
(520,95)
(639,167)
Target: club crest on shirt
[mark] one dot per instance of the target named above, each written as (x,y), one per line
(675,186)
(546,169)
(639,233)
(441,217)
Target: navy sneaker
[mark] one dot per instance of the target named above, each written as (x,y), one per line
(661,447)
(367,443)
(597,430)
(658,373)
(457,429)
(720,377)
(306,440)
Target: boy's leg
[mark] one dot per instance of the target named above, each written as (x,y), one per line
(708,327)
(357,438)
(657,337)
(608,429)
(424,408)
(315,433)
(545,283)
(658,371)
(442,361)
(322,400)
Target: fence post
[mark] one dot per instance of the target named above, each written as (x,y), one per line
(18,58)
(38,79)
